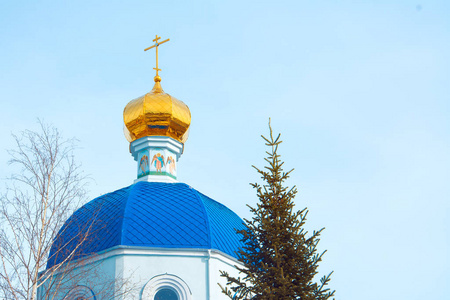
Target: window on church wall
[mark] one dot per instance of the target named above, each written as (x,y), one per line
(80,293)
(166,294)
(166,287)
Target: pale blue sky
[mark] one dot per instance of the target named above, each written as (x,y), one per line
(359,89)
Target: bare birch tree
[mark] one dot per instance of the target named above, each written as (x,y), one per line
(44,190)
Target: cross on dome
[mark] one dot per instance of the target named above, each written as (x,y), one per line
(156,45)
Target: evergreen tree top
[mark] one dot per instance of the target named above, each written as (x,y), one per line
(280,257)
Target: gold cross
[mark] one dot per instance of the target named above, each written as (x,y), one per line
(156,45)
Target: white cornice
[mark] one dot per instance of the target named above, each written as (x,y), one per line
(156,252)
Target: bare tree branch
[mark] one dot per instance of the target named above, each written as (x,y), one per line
(46,187)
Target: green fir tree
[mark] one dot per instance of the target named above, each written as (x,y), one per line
(280,258)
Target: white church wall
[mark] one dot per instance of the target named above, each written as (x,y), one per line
(198,269)
(96,275)
(143,265)
(220,262)
(138,273)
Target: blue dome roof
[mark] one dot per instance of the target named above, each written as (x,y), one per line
(149,214)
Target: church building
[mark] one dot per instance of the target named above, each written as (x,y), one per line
(157,239)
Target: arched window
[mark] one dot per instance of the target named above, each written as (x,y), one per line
(166,294)
(166,287)
(80,293)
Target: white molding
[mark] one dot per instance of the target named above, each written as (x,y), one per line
(156,178)
(166,281)
(161,252)
(80,291)
(156,142)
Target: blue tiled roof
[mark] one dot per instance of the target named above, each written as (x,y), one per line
(148,214)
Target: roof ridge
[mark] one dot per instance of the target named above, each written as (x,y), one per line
(131,187)
(227,229)
(208,223)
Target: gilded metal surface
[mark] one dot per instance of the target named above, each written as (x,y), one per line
(156,113)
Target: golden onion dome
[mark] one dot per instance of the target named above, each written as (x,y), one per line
(156,114)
